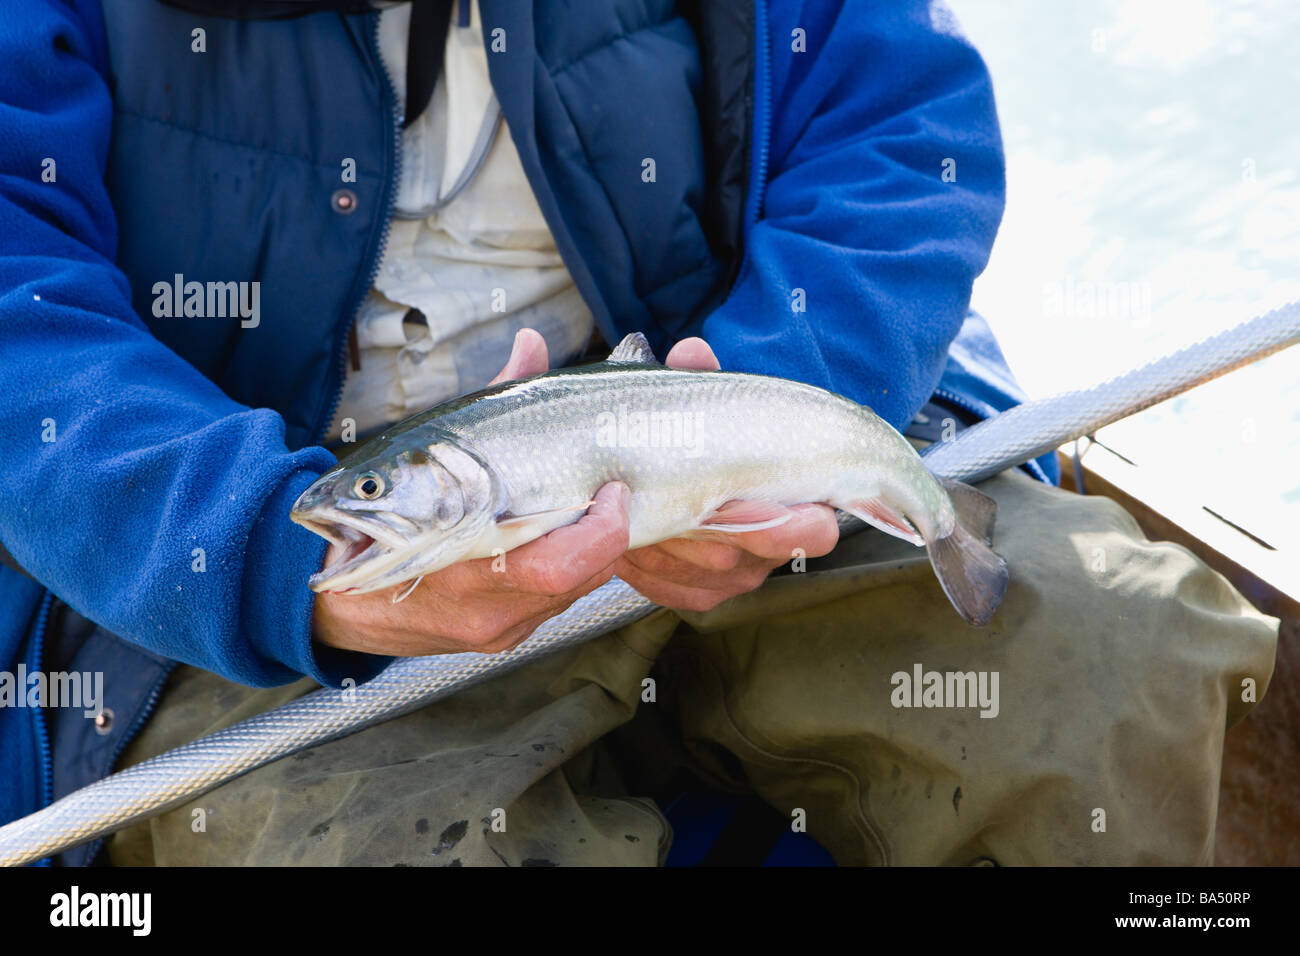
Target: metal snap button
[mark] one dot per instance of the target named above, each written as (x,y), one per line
(104,721)
(344,201)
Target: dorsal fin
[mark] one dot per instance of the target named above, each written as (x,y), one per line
(633,350)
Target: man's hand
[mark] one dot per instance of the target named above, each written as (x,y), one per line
(469,606)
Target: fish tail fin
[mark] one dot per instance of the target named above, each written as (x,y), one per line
(972,574)
(976,511)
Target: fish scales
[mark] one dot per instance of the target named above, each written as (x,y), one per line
(685,443)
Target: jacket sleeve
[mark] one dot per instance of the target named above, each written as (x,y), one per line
(884,189)
(133,488)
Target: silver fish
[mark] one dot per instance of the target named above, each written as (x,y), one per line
(703,452)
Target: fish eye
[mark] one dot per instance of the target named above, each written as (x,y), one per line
(368,485)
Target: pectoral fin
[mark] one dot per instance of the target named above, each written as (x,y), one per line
(513,530)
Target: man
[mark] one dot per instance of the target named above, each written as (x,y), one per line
(230,232)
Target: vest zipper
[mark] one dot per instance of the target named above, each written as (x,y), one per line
(38,713)
(390,201)
(762,113)
(960,402)
(137,725)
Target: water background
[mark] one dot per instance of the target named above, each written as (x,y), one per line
(1153,199)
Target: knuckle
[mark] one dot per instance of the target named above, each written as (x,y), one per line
(486,627)
(553,578)
(477,634)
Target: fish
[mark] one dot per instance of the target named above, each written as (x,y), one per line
(704,453)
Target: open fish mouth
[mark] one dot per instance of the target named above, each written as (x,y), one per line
(367,544)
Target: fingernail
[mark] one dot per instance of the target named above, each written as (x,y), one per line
(514,346)
(625,495)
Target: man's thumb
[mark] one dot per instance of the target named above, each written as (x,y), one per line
(528,356)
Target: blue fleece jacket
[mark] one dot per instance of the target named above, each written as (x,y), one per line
(155,503)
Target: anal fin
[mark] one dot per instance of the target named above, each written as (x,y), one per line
(881,516)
